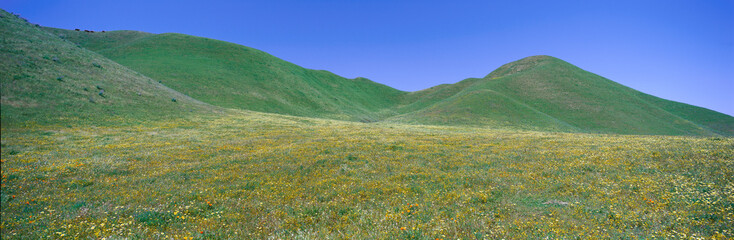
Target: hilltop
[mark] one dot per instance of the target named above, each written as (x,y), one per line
(46,79)
(540,93)
(235,76)
(546,93)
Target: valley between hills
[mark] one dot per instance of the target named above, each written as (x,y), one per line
(133,135)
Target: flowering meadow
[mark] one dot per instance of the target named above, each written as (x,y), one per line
(251,176)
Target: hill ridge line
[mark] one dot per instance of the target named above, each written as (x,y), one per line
(536,92)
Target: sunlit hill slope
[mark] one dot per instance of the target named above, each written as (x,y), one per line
(235,76)
(46,79)
(546,93)
(536,93)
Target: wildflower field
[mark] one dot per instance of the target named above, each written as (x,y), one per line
(251,176)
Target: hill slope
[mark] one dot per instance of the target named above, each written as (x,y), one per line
(537,93)
(46,79)
(546,93)
(235,76)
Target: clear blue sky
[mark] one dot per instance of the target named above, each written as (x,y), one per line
(677,50)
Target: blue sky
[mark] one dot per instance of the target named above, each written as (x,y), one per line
(677,50)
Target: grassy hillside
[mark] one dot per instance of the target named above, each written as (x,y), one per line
(484,107)
(535,93)
(234,76)
(708,119)
(45,79)
(546,93)
(98,40)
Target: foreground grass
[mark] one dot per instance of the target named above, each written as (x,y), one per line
(256,176)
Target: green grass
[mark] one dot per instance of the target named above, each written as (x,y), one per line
(534,93)
(546,93)
(234,76)
(591,102)
(45,79)
(484,107)
(100,40)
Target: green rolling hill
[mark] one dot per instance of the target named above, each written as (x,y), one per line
(535,93)
(45,79)
(235,76)
(546,93)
